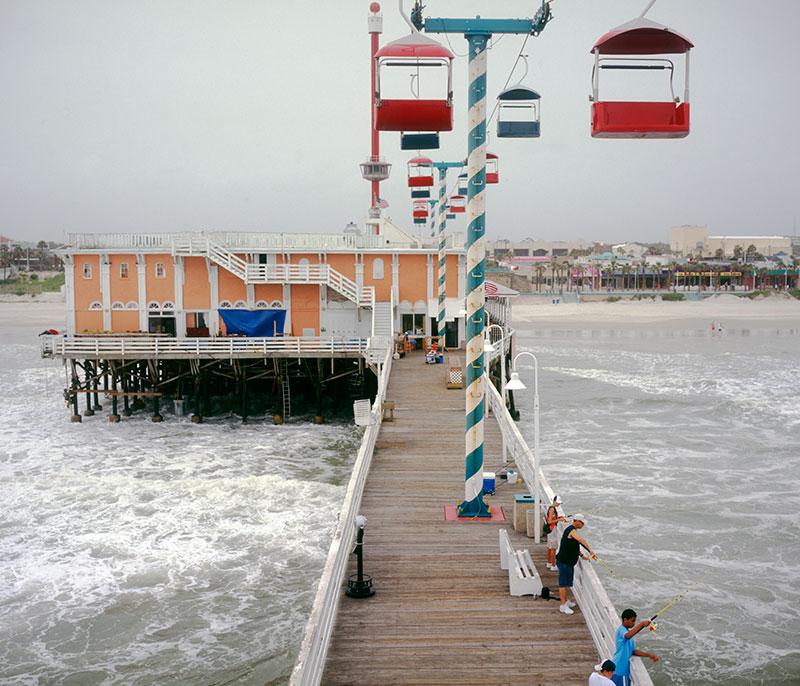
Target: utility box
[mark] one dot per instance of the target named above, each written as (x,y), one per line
(488,483)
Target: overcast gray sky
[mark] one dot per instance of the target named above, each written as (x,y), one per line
(138,115)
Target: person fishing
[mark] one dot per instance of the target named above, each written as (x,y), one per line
(552,519)
(567,557)
(626,647)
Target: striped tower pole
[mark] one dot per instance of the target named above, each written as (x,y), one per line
(442,217)
(473,505)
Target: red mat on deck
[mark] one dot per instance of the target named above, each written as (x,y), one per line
(451,515)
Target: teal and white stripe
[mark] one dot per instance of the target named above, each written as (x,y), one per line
(442,282)
(473,505)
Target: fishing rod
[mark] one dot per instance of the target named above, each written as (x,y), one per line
(668,606)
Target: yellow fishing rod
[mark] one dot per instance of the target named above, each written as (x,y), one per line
(669,605)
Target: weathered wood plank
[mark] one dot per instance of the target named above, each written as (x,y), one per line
(442,613)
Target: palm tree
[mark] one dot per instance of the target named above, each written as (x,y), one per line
(539,274)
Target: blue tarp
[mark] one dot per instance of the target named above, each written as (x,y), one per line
(253,322)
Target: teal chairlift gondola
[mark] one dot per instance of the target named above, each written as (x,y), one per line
(462,184)
(518,112)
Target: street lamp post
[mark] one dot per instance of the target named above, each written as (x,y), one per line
(488,348)
(514,384)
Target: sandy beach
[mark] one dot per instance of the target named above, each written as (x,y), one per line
(725,309)
(722,309)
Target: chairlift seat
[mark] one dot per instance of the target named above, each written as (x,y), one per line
(419,141)
(640,120)
(518,129)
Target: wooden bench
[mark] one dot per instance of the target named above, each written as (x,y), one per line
(523,579)
(455,372)
(388,410)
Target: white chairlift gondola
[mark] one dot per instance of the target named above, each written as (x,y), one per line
(462,183)
(518,113)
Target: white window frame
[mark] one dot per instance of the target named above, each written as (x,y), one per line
(123,270)
(87,270)
(161,270)
(378,269)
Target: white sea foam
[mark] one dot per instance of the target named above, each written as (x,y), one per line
(140,553)
(685,451)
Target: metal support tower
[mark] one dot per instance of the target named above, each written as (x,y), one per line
(477,31)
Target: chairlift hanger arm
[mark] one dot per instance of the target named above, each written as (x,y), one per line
(479,26)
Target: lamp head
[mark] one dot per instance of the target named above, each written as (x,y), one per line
(514,383)
(487,345)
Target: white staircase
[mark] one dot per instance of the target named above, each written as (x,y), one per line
(382,330)
(321,274)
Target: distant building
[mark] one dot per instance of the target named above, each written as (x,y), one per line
(533,247)
(636,250)
(695,240)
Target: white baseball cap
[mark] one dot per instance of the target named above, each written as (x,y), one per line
(579,517)
(558,500)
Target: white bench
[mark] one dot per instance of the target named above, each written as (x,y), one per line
(523,579)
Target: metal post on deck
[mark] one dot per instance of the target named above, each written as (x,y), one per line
(477,31)
(474,505)
(442,280)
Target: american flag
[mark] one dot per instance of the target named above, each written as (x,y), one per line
(380,202)
(491,289)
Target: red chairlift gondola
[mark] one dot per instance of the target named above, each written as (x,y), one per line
(458,204)
(413,55)
(492,168)
(420,172)
(420,209)
(640,44)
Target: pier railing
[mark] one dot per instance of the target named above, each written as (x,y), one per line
(120,347)
(599,613)
(310,662)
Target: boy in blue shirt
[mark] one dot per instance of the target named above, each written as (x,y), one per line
(626,647)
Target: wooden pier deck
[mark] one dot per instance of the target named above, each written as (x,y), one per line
(442,613)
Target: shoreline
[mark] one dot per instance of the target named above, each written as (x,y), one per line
(724,308)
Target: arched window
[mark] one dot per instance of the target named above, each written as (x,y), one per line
(304,262)
(225,305)
(132,305)
(262,305)
(377,268)
(168,306)
(276,305)
(96,305)
(117,305)
(240,305)
(154,306)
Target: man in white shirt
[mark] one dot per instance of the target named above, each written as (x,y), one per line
(603,677)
